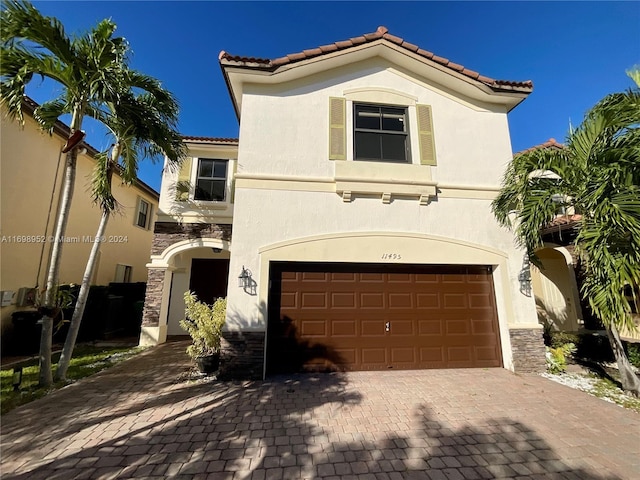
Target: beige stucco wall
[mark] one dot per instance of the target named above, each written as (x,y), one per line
(28,163)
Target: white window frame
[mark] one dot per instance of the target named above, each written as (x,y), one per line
(136,220)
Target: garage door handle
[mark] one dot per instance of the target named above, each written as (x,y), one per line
(387,327)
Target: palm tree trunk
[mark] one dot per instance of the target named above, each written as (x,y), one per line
(81,303)
(628,378)
(45,378)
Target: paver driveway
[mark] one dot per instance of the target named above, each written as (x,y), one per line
(138,420)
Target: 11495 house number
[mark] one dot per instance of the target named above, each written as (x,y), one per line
(391,256)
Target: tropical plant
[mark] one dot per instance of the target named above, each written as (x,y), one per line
(557,357)
(597,175)
(87,67)
(204,324)
(142,118)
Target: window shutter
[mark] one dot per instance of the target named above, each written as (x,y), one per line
(337,129)
(184,180)
(233,182)
(425,135)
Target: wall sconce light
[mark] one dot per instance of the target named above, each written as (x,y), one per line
(244,279)
(17,378)
(216,250)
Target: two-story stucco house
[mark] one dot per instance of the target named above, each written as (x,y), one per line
(350,225)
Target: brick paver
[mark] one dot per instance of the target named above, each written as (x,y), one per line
(139,420)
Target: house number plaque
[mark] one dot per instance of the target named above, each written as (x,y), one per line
(391,256)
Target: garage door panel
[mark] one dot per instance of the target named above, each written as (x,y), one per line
(400,278)
(479,301)
(439,316)
(374,356)
(431,356)
(343,277)
(483,327)
(371,278)
(399,327)
(454,300)
(486,354)
(403,356)
(427,278)
(459,355)
(343,300)
(313,328)
(401,300)
(314,277)
(372,300)
(343,328)
(289,300)
(458,328)
(430,328)
(427,301)
(373,328)
(346,356)
(314,300)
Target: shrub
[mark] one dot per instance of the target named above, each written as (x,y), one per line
(633,351)
(557,357)
(204,324)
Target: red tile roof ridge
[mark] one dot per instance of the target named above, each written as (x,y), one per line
(563,220)
(551,143)
(210,139)
(382,32)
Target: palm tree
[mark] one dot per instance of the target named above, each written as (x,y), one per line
(597,175)
(87,68)
(141,123)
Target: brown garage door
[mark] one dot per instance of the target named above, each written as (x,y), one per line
(378,317)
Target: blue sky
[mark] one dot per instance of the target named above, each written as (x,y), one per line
(575,52)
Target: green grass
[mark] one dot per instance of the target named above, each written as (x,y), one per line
(86,361)
(609,391)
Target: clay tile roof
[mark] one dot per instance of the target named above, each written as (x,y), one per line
(393,38)
(189,138)
(551,143)
(562,222)
(410,46)
(381,33)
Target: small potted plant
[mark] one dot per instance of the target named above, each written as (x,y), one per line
(204,324)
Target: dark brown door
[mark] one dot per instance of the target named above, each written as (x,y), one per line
(378,317)
(209,278)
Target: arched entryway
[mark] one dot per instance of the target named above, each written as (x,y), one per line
(555,290)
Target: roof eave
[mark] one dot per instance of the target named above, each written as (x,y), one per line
(239,72)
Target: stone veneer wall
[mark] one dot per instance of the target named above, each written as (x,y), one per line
(527,346)
(153,298)
(166,234)
(242,355)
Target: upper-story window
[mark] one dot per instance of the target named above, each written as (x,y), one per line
(380,133)
(142,220)
(211,182)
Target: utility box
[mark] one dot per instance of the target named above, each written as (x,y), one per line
(5,297)
(26,297)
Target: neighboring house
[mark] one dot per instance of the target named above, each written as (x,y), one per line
(350,226)
(31,175)
(556,286)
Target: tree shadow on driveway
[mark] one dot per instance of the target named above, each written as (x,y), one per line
(306,426)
